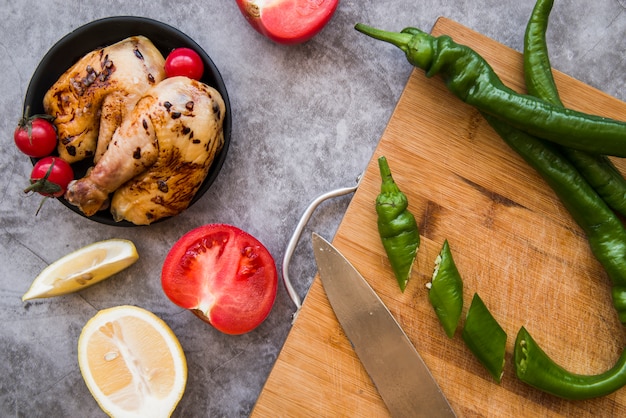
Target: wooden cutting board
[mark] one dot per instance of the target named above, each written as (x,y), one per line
(513,242)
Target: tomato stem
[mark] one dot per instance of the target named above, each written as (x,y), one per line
(43,185)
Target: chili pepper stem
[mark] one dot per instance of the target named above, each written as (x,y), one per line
(400,40)
(388,185)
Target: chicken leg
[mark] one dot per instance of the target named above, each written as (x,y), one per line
(160,155)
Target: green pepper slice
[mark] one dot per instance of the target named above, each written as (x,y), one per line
(446,291)
(534,367)
(397,227)
(485,337)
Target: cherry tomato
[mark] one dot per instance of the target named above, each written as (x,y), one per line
(224,275)
(184,62)
(50,177)
(288,21)
(35,137)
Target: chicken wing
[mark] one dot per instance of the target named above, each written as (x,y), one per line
(91,98)
(159,156)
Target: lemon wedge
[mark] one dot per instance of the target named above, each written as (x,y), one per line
(83,268)
(132,363)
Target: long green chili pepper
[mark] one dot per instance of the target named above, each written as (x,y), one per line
(602,175)
(471,78)
(397,227)
(604,230)
(485,337)
(446,290)
(537,68)
(599,171)
(534,367)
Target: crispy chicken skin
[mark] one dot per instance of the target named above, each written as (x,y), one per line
(159,156)
(91,98)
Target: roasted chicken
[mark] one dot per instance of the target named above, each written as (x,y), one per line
(90,100)
(159,156)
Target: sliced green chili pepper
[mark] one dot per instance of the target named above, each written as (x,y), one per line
(396,225)
(599,171)
(446,290)
(604,230)
(471,78)
(534,367)
(485,337)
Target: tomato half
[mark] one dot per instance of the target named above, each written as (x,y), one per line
(288,21)
(184,62)
(224,275)
(50,177)
(35,137)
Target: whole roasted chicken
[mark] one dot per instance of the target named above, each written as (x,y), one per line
(90,100)
(158,157)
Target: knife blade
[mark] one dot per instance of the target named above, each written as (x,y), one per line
(400,375)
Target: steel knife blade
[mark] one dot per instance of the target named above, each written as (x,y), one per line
(400,375)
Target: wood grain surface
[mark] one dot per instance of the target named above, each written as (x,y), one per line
(512,240)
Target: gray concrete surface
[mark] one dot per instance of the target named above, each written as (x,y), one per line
(306,119)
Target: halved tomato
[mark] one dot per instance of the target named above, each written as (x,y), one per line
(224,275)
(288,21)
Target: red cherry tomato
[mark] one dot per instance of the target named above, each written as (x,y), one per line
(35,137)
(184,62)
(50,177)
(224,275)
(288,21)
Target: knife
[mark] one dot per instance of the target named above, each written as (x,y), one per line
(394,365)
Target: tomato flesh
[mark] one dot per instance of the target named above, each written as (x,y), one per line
(288,21)
(224,275)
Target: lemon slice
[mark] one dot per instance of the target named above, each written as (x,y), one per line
(83,268)
(132,363)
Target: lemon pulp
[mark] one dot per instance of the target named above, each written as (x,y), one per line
(82,268)
(132,363)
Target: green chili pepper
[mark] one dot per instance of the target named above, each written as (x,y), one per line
(485,337)
(598,170)
(537,68)
(396,225)
(602,175)
(446,290)
(604,230)
(471,78)
(534,367)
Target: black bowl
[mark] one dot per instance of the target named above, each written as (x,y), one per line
(107,31)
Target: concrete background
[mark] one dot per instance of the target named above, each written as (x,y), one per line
(306,120)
